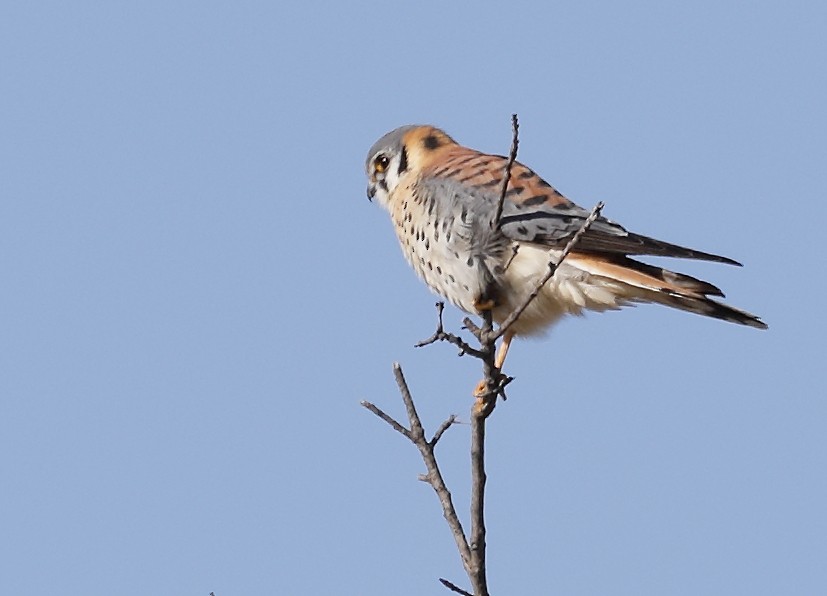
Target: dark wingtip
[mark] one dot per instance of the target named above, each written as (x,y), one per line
(729,261)
(736,315)
(712,308)
(706,256)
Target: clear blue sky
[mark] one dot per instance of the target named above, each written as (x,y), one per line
(196,294)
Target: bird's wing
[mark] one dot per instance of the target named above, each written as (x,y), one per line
(534,211)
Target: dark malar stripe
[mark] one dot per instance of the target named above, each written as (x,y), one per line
(403,162)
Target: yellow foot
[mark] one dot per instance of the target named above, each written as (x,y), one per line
(484,401)
(484,305)
(481,390)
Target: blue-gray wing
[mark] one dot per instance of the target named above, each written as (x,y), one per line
(468,184)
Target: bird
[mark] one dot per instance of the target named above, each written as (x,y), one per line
(443,200)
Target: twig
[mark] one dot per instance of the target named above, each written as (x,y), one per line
(514,250)
(552,268)
(437,336)
(472,327)
(394,424)
(441,335)
(442,428)
(512,156)
(454,588)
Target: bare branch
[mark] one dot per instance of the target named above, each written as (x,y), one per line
(454,588)
(417,433)
(485,405)
(512,156)
(394,424)
(472,327)
(514,250)
(426,448)
(478,478)
(442,428)
(440,330)
(441,335)
(552,268)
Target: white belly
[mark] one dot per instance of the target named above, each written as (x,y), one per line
(570,291)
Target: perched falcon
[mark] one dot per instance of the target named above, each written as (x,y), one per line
(443,197)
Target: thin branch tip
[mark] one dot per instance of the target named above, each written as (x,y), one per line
(454,588)
(512,157)
(452,419)
(441,335)
(397,426)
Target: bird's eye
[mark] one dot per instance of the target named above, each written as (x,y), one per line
(381,163)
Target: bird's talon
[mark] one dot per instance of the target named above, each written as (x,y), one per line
(484,305)
(481,390)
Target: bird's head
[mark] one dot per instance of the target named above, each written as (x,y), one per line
(402,151)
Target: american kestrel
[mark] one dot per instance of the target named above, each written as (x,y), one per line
(443,197)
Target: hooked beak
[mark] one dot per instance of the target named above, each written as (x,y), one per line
(371,192)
